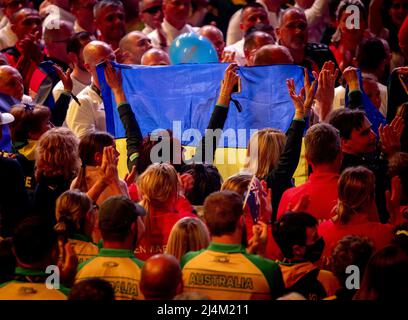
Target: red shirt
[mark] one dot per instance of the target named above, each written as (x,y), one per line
(380,234)
(161,223)
(322,189)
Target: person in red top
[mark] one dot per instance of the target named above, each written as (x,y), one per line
(323,153)
(162,198)
(357,212)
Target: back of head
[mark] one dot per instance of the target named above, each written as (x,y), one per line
(222,211)
(70,212)
(92,143)
(188,234)
(161,277)
(93,289)
(117,214)
(27,119)
(238,183)
(290,230)
(344,4)
(158,184)
(386,277)
(78,41)
(371,54)
(356,191)
(345,120)
(155,57)
(207,180)
(264,150)
(351,250)
(322,144)
(272,54)
(34,242)
(256,39)
(97,51)
(57,154)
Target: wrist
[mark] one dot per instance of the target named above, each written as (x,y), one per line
(354,85)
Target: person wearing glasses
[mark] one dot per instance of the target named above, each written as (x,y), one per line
(151,14)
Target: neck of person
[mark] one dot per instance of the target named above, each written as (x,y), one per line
(231,238)
(333,168)
(81,75)
(177,24)
(118,245)
(95,81)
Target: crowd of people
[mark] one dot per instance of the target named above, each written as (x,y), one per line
(180,231)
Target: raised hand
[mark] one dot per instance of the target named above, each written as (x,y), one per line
(64,77)
(114,81)
(351,77)
(325,90)
(257,244)
(390,142)
(230,80)
(228,57)
(186,182)
(393,199)
(130,176)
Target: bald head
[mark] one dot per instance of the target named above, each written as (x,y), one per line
(155,57)
(11,82)
(134,45)
(216,37)
(254,41)
(161,277)
(96,52)
(272,54)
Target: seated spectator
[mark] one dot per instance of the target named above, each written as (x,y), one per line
(31,122)
(350,251)
(93,289)
(216,37)
(323,154)
(88,113)
(174,24)
(159,186)
(356,211)
(252,14)
(56,165)
(272,54)
(188,234)
(7,37)
(161,278)
(309,55)
(115,262)
(35,247)
(257,212)
(84,17)
(80,76)
(11,84)
(133,46)
(347,38)
(151,14)
(75,215)
(109,21)
(385,278)
(91,152)
(155,57)
(297,236)
(225,270)
(253,42)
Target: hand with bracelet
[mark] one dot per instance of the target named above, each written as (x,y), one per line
(231,78)
(302,101)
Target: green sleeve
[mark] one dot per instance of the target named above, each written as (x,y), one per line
(139,263)
(64,290)
(188,256)
(271,272)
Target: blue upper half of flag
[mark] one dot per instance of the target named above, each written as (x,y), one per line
(182,97)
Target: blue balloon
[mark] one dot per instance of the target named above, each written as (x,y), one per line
(192,48)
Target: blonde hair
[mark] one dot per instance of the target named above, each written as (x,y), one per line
(188,234)
(238,183)
(270,144)
(70,211)
(356,189)
(57,154)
